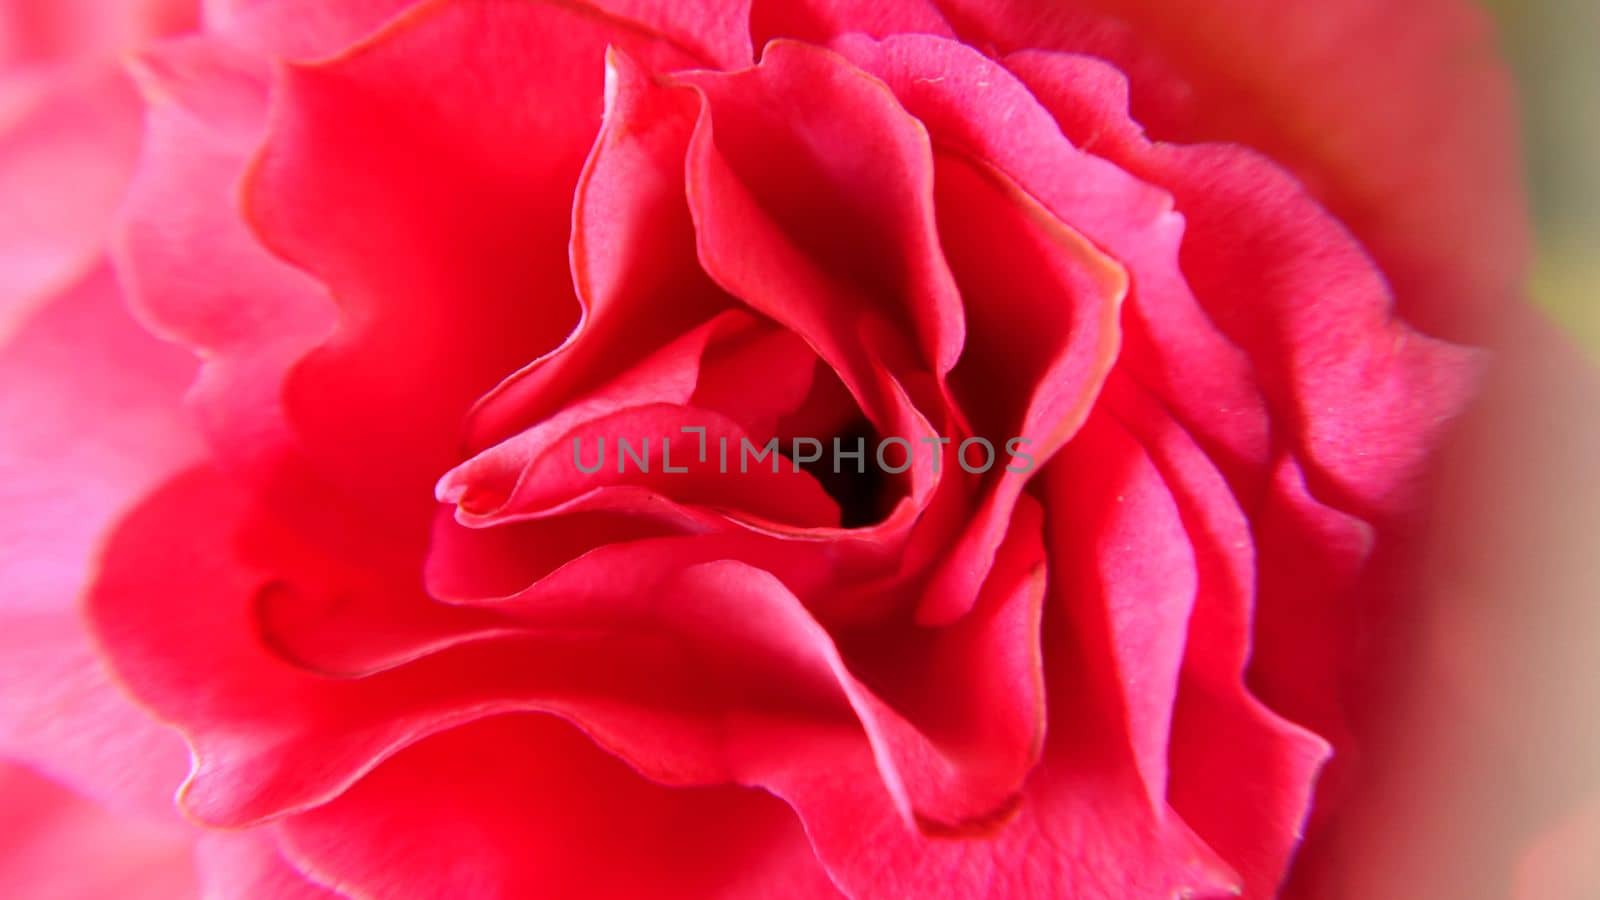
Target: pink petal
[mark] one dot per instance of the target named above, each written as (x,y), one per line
(975,689)
(249,866)
(55,845)
(298,29)
(783,495)
(648,405)
(193,268)
(1364,394)
(70,30)
(345,595)
(1313,564)
(660,673)
(716,31)
(89,422)
(65,159)
(1446,226)
(974,107)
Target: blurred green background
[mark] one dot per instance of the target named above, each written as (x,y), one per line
(1554,48)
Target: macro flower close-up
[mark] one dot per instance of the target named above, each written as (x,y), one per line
(1095,449)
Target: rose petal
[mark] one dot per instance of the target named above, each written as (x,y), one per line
(89,421)
(1312,565)
(1447,226)
(819,21)
(526,806)
(33,32)
(633,258)
(1469,697)
(1364,395)
(248,866)
(463,194)
(1225,744)
(191,266)
(716,30)
(64,163)
(270,738)
(1084,826)
(976,108)
(344,596)
(565,455)
(57,846)
(1016,263)
(1129,568)
(777,492)
(841,249)
(975,689)
(298,29)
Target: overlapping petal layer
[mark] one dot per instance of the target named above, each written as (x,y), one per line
(440,253)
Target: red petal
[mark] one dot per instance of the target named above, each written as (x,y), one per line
(395,194)
(522,806)
(1015,264)
(1125,561)
(633,257)
(973,692)
(822,217)
(1084,826)
(820,21)
(271,738)
(1239,775)
(546,465)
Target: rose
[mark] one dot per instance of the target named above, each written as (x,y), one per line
(414,652)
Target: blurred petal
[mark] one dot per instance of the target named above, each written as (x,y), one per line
(1343,95)
(89,422)
(249,866)
(55,845)
(1481,734)
(64,163)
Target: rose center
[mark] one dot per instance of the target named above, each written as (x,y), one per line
(864,491)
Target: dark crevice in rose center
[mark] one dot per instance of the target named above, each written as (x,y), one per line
(865,493)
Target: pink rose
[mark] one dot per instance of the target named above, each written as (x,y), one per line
(532,448)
